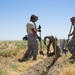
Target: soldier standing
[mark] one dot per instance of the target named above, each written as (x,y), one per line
(32,36)
(71,44)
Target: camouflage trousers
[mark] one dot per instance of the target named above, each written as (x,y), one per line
(71,46)
(32,45)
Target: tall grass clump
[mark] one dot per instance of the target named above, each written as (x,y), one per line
(9,48)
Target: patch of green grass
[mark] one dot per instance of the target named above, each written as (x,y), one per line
(3,71)
(0,70)
(9,48)
(15,66)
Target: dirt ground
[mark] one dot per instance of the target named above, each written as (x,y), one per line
(42,66)
(61,67)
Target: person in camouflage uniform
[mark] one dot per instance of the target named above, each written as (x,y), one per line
(51,41)
(32,39)
(71,44)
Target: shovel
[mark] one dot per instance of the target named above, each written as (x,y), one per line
(41,52)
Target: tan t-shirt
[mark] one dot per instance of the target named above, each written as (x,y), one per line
(29,27)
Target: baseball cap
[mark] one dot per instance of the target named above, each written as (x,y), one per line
(34,16)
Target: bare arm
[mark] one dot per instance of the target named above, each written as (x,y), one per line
(73,32)
(47,37)
(34,31)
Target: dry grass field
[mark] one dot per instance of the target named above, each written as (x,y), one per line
(11,51)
